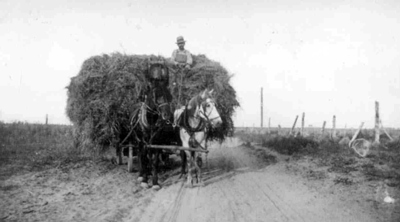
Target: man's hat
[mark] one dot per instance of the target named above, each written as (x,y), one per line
(180,40)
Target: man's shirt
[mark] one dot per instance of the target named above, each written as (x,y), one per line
(182,56)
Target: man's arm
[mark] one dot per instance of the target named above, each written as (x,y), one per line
(189,59)
(173,57)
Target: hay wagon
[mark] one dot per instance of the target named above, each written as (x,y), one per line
(101,95)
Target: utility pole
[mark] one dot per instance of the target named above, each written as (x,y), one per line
(262,120)
(376,122)
(269,125)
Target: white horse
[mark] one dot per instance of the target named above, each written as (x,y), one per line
(194,120)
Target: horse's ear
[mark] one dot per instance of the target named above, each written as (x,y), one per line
(196,112)
(203,94)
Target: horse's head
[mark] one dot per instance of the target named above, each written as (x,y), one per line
(158,76)
(163,105)
(158,100)
(208,110)
(157,70)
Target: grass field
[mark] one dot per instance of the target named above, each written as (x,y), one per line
(382,163)
(26,147)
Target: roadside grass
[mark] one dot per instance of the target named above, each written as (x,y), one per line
(30,147)
(383,162)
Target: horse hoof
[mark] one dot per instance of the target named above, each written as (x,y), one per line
(189,183)
(156,187)
(144,185)
(140,179)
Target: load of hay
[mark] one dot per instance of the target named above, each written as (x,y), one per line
(102,96)
(211,75)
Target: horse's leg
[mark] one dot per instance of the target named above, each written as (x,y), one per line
(141,170)
(141,163)
(206,161)
(185,143)
(143,175)
(198,155)
(183,164)
(155,161)
(199,176)
(205,146)
(198,169)
(118,150)
(190,161)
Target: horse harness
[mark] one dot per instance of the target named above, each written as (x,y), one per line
(202,126)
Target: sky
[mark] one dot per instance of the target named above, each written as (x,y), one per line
(321,57)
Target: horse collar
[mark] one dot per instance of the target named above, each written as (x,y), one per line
(191,130)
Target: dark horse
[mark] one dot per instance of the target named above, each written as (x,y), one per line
(153,124)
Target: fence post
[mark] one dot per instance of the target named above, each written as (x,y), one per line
(333,127)
(269,125)
(47,119)
(323,127)
(294,125)
(302,124)
(279,129)
(376,122)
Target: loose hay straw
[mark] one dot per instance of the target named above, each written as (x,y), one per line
(101,97)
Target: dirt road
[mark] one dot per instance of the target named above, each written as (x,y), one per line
(251,191)
(241,184)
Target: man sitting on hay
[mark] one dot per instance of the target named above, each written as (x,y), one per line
(182,57)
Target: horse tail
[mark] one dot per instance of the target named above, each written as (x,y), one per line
(143,116)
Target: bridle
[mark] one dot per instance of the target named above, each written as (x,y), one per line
(203,125)
(204,119)
(157,111)
(204,115)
